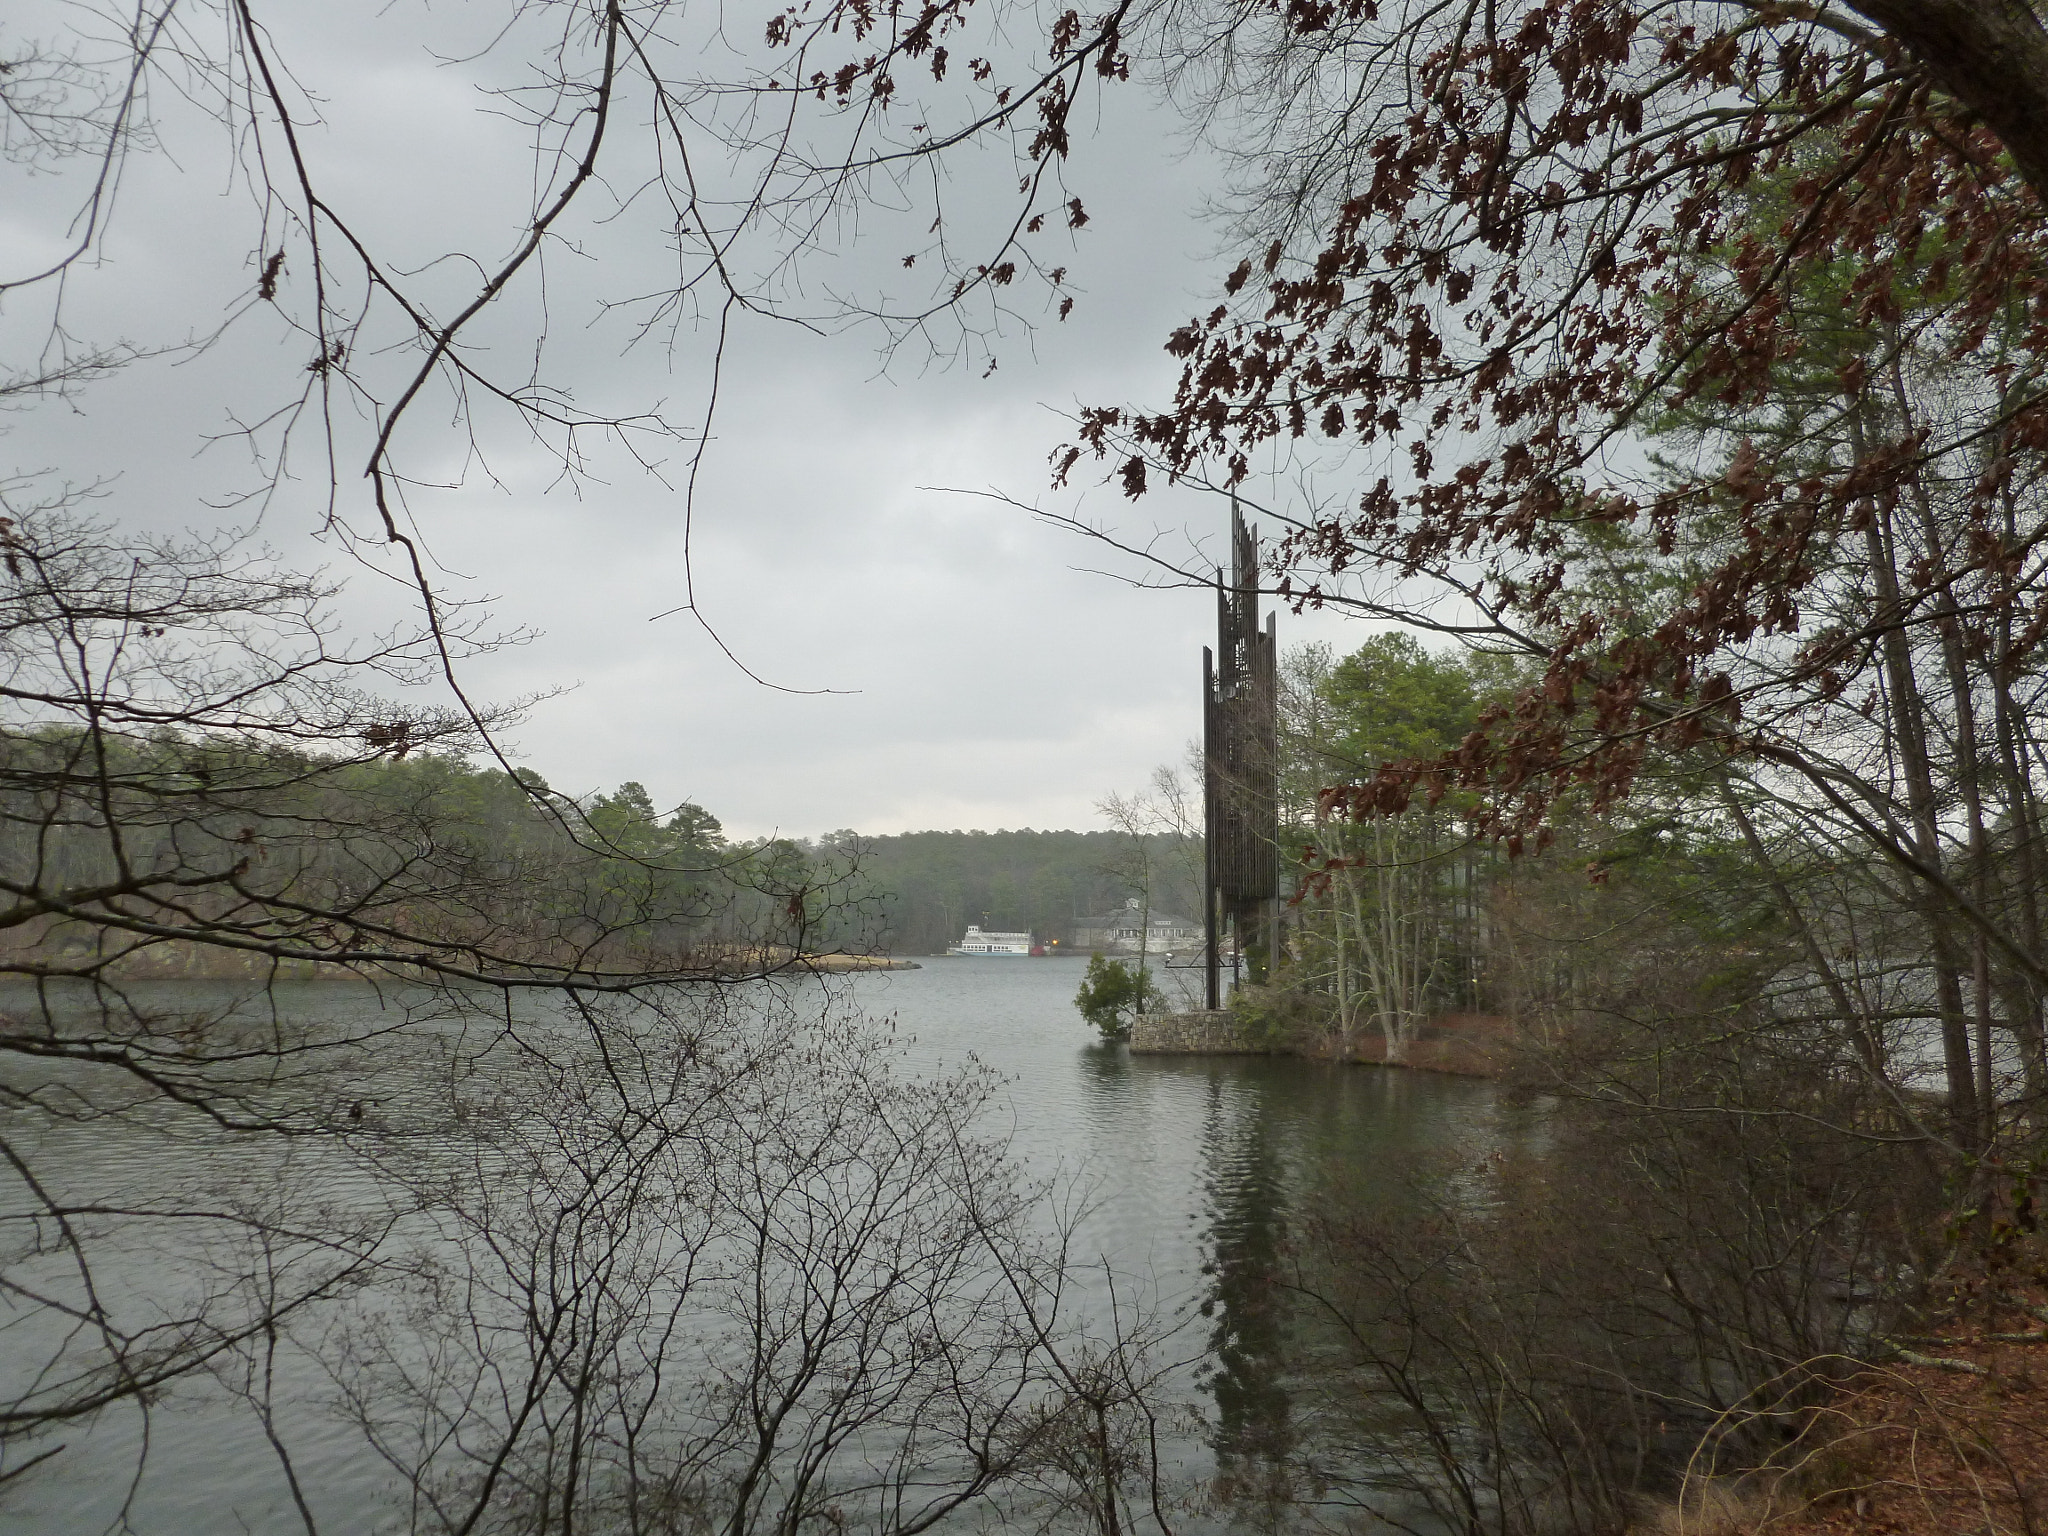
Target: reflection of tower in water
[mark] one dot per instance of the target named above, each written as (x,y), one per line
(1244,1299)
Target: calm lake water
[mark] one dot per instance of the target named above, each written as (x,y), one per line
(1191,1167)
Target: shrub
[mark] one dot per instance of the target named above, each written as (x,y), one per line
(1281,1016)
(1113,994)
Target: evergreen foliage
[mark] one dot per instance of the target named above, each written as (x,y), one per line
(1113,994)
(1388,918)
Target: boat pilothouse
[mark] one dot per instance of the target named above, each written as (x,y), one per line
(977,942)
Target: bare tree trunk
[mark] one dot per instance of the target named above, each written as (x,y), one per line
(2023,831)
(1908,725)
(1992,55)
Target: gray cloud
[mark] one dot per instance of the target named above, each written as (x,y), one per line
(991,678)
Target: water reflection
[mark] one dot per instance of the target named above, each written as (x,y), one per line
(1196,1168)
(1248,1205)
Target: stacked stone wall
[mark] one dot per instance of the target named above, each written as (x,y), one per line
(1193,1034)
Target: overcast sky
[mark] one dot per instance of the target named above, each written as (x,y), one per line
(984,669)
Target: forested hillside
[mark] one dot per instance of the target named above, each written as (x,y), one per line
(924,888)
(519,870)
(313,861)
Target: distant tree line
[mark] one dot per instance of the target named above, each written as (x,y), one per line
(409,858)
(920,890)
(572,879)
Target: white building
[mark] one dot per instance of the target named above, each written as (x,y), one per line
(1120,931)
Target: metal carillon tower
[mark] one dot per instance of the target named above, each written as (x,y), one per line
(1240,739)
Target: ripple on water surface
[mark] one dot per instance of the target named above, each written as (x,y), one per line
(1186,1169)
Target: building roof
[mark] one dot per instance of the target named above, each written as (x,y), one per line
(1126,916)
